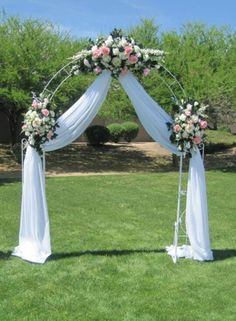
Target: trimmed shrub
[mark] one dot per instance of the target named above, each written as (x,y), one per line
(116,132)
(97,135)
(130,131)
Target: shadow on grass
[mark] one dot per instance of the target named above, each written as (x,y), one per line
(106,158)
(58,256)
(223,254)
(10,180)
(5,255)
(219,254)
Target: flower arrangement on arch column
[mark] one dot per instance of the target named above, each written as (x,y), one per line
(188,128)
(39,123)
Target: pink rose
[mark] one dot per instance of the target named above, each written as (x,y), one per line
(133,59)
(98,70)
(197,140)
(187,112)
(146,71)
(124,71)
(177,128)
(105,51)
(45,112)
(49,134)
(97,53)
(203,124)
(34,104)
(128,50)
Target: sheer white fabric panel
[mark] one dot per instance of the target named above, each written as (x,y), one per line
(154,120)
(34,236)
(151,115)
(196,210)
(76,119)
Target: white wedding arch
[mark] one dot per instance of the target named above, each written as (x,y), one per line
(34,236)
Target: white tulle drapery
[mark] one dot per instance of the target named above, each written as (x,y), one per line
(34,237)
(154,120)
(197,210)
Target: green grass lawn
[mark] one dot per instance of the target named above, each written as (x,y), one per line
(108,262)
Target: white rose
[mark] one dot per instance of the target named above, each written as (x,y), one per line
(196,103)
(36,122)
(33,115)
(185,134)
(189,107)
(182,117)
(194,118)
(122,56)
(87,64)
(45,102)
(109,41)
(123,42)
(106,59)
(145,57)
(136,49)
(189,128)
(52,113)
(94,48)
(115,51)
(116,61)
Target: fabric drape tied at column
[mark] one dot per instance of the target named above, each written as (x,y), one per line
(34,236)
(155,119)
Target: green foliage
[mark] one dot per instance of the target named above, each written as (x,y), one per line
(112,264)
(31,52)
(200,60)
(117,105)
(130,131)
(116,132)
(146,33)
(97,134)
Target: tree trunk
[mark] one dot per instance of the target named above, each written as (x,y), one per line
(13,117)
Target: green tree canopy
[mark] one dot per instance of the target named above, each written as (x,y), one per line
(31,51)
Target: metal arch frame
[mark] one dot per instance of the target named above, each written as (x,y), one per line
(49,94)
(65,69)
(68,73)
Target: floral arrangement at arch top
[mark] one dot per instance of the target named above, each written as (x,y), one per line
(118,54)
(188,128)
(39,123)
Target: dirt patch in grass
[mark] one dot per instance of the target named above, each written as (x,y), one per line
(80,159)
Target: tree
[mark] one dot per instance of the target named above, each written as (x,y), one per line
(30,53)
(146,33)
(200,59)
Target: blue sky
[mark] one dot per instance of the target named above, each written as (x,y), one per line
(90,18)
